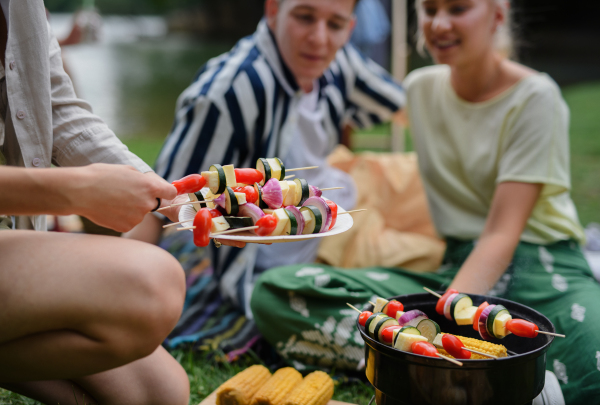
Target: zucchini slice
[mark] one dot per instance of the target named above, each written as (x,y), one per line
(231,203)
(429,329)
(219,188)
(313,226)
(371,322)
(381,325)
(302,191)
(219,224)
(282,175)
(459,304)
(197,196)
(497,311)
(293,222)
(260,202)
(265,168)
(239,222)
(275,169)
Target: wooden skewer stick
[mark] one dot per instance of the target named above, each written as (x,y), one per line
(331,188)
(248,228)
(177,223)
(351,212)
(543,332)
(372,303)
(432,292)
(289,177)
(183,203)
(301,168)
(354,308)
(480,353)
(212,235)
(458,363)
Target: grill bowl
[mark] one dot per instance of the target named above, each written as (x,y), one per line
(402,378)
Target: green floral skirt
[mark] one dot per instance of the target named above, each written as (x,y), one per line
(301,310)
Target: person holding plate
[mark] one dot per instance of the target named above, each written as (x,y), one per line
(82,316)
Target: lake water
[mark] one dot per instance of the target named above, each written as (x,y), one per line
(134,73)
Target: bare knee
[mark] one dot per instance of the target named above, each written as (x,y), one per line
(153,305)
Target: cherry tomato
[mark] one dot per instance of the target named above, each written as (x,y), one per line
(439,307)
(388,333)
(214,213)
(392,307)
(362,318)
(266,225)
(251,194)
(478,314)
(334,212)
(202,222)
(521,327)
(248,176)
(454,347)
(189,184)
(424,349)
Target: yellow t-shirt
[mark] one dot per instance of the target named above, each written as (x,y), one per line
(465,149)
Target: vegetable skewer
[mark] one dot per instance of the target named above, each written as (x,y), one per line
(482,324)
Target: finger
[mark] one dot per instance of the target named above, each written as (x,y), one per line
(233,243)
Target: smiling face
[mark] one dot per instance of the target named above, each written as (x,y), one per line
(458,32)
(309,33)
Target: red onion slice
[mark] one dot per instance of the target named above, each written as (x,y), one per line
(482,322)
(220,200)
(271,194)
(314,191)
(323,208)
(410,315)
(448,305)
(299,218)
(252,211)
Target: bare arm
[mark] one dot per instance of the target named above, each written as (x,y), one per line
(114,196)
(511,207)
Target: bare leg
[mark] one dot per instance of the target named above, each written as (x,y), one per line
(76,305)
(154,380)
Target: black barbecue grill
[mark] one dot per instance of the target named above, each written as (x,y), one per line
(402,378)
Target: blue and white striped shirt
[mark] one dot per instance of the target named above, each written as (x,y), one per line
(235,110)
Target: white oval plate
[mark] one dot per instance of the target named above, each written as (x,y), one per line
(343,223)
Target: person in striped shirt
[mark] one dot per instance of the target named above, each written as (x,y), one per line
(286,91)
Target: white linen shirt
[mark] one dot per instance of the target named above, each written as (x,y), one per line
(45,121)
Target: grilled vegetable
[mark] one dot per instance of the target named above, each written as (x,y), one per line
(216,179)
(362,318)
(315,389)
(240,389)
(459,303)
(410,315)
(496,322)
(381,325)
(313,220)
(483,332)
(478,314)
(302,191)
(392,308)
(429,329)
(424,349)
(239,222)
(281,383)
(219,224)
(232,206)
(372,322)
(404,341)
(189,184)
(466,316)
(439,307)
(521,327)
(454,346)
(379,304)
(475,344)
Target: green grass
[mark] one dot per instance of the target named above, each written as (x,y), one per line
(206,373)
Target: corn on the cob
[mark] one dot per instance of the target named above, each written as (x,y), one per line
(315,389)
(240,389)
(480,346)
(281,383)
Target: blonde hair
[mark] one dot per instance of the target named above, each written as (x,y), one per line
(504,41)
